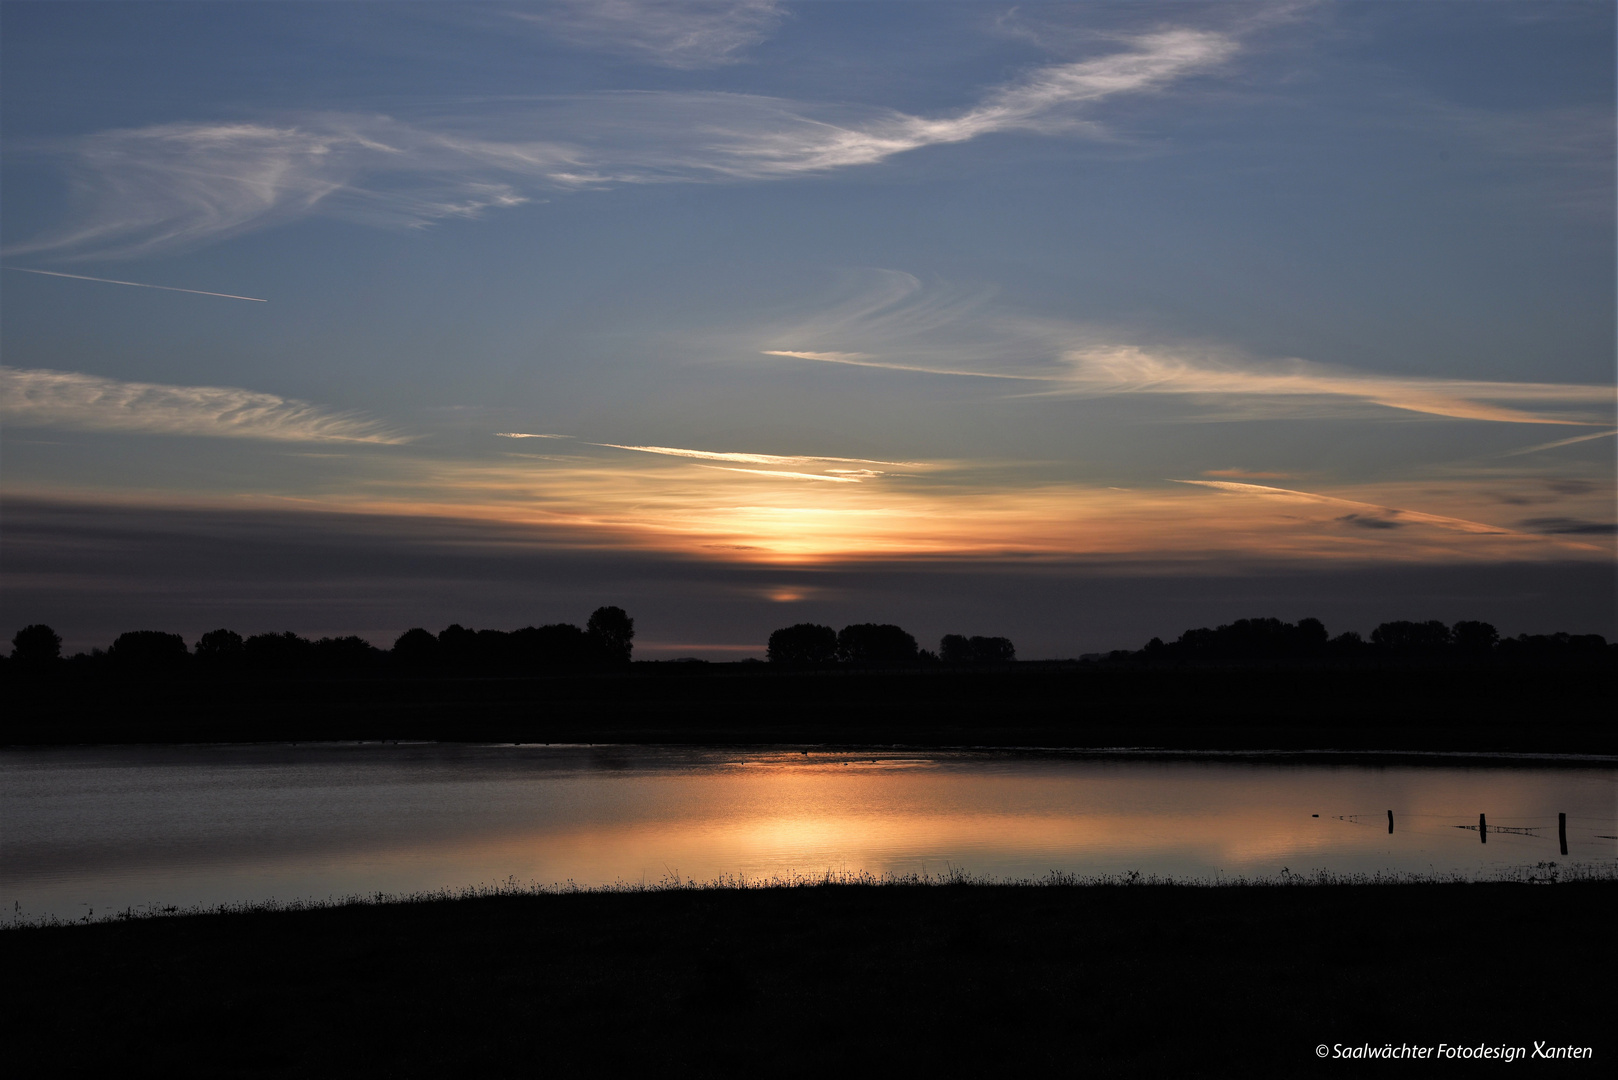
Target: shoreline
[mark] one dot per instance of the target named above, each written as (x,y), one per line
(1135,979)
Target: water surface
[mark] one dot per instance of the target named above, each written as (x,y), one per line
(106,829)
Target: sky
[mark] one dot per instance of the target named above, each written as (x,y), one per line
(1073,323)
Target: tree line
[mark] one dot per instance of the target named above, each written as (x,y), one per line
(607,640)
(1272,639)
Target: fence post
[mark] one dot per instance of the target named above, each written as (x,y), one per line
(1483,830)
(1561,831)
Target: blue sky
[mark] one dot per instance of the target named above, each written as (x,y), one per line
(815,299)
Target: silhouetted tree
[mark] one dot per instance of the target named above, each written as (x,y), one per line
(803,643)
(148,650)
(219,649)
(457,647)
(958,649)
(1556,648)
(350,653)
(1348,643)
(415,650)
(1411,638)
(496,650)
(36,646)
(1250,639)
(875,643)
(285,651)
(613,633)
(1474,638)
(554,645)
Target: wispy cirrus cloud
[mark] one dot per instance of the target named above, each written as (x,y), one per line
(171,186)
(754,459)
(892,322)
(67,399)
(693,34)
(1133,369)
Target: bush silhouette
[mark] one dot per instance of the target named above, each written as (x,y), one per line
(36,645)
(803,643)
(612,632)
(875,643)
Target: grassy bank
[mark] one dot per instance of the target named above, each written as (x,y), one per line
(1458,708)
(1128,979)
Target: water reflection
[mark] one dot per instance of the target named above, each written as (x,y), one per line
(111,828)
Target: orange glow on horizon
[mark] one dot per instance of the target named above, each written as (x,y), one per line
(940,511)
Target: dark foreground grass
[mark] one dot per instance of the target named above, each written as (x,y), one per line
(1113,980)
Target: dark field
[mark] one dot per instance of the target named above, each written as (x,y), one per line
(1366,707)
(1125,980)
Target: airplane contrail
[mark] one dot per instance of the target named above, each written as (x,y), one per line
(1559,442)
(138,284)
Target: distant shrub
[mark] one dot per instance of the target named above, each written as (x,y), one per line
(803,643)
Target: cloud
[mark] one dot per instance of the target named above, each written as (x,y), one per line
(1132,369)
(1364,522)
(787,475)
(677,35)
(528,435)
(861,360)
(836,476)
(1366,515)
(1246,474)
(889,320)
(68,399)
(1568,525)
(178,185)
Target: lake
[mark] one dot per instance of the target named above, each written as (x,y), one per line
(112,828)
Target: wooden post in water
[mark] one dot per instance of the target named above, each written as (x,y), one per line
(1561,831)
(1483,830)
(1390,822)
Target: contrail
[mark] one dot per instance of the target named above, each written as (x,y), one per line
(138,284)
(1560,442)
